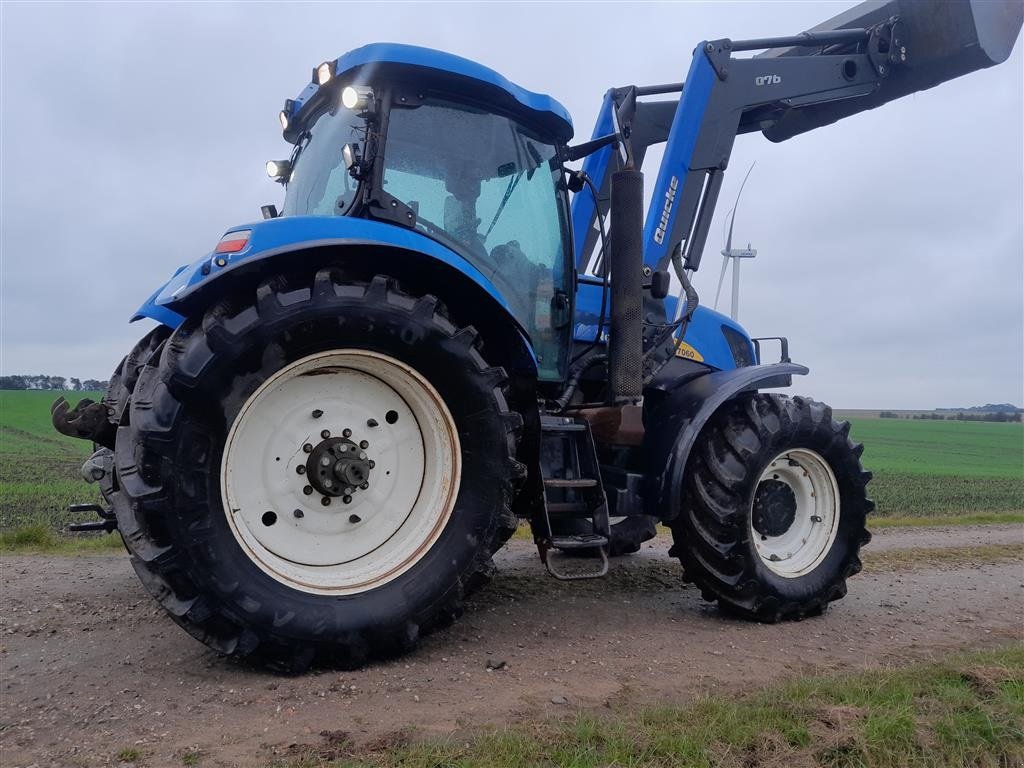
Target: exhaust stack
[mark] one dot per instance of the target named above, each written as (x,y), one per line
(625,346)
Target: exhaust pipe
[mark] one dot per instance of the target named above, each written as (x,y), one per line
(625,345)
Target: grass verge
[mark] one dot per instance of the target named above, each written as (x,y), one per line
(940,557)
(40,538)
(974,518)
(968,710)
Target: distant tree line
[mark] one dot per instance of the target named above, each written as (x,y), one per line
(51,383)
(999,416)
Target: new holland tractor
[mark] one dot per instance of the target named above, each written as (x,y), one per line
(347,407)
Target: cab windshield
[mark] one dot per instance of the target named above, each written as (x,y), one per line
(320,184)
(489,189)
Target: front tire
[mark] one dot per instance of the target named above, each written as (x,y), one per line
(235,531)
(774,508)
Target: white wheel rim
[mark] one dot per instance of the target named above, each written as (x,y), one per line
(797,549)
(385,528)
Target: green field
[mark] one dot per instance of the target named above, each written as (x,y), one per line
(39,467)
(938,468)
(922,469)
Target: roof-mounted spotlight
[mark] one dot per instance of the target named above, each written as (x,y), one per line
(283,117)
(323,73)
(279,170)
(357,97)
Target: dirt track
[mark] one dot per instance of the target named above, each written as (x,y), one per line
(90,665)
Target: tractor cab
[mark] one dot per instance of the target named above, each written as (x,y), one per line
(446,147)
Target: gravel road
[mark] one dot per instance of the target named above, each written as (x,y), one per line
(91,666)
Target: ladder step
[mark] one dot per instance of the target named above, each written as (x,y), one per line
(557,482)
(557,428)
(568,507)
(579,541)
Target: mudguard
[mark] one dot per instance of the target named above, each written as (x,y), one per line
(674,419)
(275,237)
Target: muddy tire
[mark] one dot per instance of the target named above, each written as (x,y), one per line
(220,453)
(774,508)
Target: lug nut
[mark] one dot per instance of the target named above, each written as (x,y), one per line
(325,434)
(317,413)
(347,499)
(354,519)
(364,486)
(328,483)
(371,423)
(298,513)
(301,469)
(364,444)
(346,433)
(307,448)
(362,454)
(325,461)
(308,490)
(326,501)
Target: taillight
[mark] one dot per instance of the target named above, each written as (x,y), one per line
(233,242)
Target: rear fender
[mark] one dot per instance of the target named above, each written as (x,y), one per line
(674,421)
(275,242)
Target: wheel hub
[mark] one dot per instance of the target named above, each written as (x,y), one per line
(794,514)
(338,466)
(774,508)
(344,431)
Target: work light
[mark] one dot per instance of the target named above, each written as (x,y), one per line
(283,117)
(325,72)
(279,170)
(357,97)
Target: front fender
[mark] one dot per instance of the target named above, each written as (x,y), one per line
(274,237)
(675,421)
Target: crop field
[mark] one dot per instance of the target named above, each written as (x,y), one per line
(923,469)
(39,467)
(942,468)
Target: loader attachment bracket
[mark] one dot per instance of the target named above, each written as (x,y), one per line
(106,523)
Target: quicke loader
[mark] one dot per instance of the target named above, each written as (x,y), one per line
(347,407)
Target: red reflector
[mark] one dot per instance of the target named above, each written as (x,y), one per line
(233,242)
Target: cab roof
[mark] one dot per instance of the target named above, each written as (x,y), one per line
(475,78)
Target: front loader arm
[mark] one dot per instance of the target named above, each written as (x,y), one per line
(872,54)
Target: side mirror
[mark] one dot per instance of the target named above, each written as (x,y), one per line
(348,155)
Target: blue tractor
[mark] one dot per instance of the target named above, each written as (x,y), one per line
(347,407)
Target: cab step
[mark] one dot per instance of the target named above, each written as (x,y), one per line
(572,489)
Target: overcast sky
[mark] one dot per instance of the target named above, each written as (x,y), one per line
(890,245)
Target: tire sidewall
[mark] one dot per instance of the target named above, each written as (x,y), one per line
(284,334)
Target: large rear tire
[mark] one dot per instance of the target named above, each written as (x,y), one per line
(774,508)
(234,528)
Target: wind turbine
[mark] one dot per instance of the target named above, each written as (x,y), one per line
(735,255)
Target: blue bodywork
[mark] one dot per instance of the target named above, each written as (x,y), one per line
(704,333)
(428,58)
(275,236)
(290,233)
(281,235)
